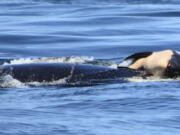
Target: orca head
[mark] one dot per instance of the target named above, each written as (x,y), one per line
(173,68)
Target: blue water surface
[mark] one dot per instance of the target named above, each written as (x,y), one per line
(103,29)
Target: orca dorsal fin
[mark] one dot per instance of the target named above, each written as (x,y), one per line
(133,58)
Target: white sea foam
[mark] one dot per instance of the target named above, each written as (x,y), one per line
(151,79)
(7,81)
(52,83)
(71,59)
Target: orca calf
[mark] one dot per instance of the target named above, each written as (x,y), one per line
(164,63)
(47,72)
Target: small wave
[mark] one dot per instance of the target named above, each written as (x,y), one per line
(151,79)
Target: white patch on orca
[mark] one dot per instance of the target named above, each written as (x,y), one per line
(125,63)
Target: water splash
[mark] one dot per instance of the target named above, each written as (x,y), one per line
(72,59)
(7,81)
(50,60)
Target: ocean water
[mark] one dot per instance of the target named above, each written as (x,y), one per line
(88,31)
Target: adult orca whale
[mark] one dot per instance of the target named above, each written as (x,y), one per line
(163,63)
(47,72)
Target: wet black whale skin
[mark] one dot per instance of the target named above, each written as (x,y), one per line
(72,72)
